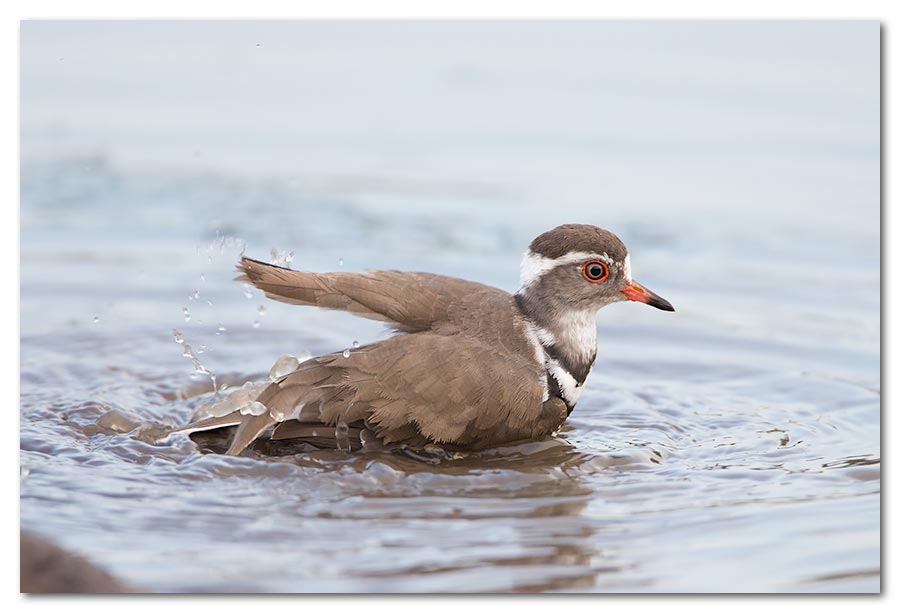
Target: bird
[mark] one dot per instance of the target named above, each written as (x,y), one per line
(470,367)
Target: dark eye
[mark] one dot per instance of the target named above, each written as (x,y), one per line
(595,271)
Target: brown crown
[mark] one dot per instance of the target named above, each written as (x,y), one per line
(578,237)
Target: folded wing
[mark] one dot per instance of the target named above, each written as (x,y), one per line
(411,389)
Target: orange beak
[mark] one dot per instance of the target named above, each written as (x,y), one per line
(637,292)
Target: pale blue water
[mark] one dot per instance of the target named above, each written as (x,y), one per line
(730,446)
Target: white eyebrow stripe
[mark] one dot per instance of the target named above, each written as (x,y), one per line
(626,268)
(534,265)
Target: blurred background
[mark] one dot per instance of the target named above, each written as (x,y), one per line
(739,161)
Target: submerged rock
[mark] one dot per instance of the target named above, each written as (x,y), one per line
(45,568)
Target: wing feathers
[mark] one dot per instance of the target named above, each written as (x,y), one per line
(414,301)
(465,376)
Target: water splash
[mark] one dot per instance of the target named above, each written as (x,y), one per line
(261,312)
(222,242)
(281,258)
(199,368)
(253,408)
(284,365)
(236,400)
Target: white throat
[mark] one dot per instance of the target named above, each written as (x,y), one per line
(543,340)
(577,330)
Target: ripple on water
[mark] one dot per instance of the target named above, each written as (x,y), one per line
(717,455)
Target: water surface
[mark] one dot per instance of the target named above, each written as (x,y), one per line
(730,446)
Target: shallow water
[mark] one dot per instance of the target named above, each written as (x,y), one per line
(730,446)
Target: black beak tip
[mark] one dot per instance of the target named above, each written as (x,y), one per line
(662,304)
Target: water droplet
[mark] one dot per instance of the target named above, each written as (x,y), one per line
(340,261)
(220,329)
(187,351)
(248,290)
(285,365)
(277,414)
(261,309)
(356,344)
(24,471)
(195,295)
(346,353)
(201,349)
(202,277)
(257,45)
(209,302)
(256,323)
(254,408)
(187,313)
(223,387)
(179,337)
(96,320)
(281,258)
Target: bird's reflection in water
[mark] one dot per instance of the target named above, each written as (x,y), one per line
(516,510)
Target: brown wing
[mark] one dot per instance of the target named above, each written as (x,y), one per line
(425,387)
(459,391)
(466,376)
(414,301)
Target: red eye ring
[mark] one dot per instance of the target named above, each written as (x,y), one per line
(589,271)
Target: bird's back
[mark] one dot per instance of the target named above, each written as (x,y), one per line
(463,373)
